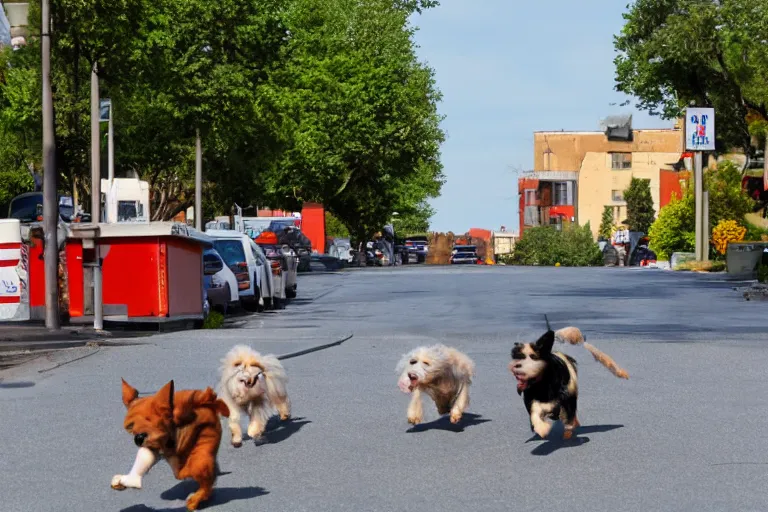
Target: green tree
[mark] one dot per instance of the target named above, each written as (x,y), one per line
(674,229)
(672,53)
(334,228)
(640,213)
(606,223)
(727,199)
(359,112)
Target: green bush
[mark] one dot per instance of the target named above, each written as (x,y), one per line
(675,228)
(727,198)
(571,247)
(214,320)
(754,233)
(762,273)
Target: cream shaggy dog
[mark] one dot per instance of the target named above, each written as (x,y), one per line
(441,372)
(255,384)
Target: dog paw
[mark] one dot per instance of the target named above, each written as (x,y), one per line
(543,431)
(120,482)
(455,417)
(237,442)
(193,502)
(568,434)
(255,431)
(415,420)
(285,416)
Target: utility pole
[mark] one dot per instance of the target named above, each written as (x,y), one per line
(698,194)
(50,186)
(198,182)
(98,320)
(111,147)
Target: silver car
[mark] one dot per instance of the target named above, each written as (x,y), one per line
(285,263)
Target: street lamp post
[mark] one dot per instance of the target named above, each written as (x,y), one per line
(50,186)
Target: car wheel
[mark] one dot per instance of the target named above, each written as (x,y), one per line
(290,293)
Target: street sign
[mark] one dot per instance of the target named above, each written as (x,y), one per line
(700,129)
(104,108)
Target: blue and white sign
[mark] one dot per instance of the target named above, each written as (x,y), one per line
(700,129)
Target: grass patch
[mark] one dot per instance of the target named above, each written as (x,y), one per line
(701,266)
(214,321)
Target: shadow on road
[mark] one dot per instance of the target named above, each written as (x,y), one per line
(555,439)
(444,423)
(278,431)
(221,496)
(15,385)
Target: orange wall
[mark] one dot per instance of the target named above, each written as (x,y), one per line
(669,185)
(568,149)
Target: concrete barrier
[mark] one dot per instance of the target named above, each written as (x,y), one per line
(743,258)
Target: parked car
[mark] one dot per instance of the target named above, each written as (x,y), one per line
(282,255)
(465,254)
(28,207)
(296,240)
(221,285)
(418,246)
(252,278)
(341,248)
(274,284)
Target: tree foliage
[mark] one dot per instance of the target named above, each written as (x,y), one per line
(675,228)
(360,110)
(606,223)
(672,53)
(572,246)
(640,213)
(295,101)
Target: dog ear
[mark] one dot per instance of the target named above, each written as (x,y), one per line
(544,344)
(222,408)
(164,399)
(129,394)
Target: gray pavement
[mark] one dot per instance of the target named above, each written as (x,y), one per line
(684,433)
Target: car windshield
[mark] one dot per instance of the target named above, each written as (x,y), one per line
(25,208)
(231,251)
(254,227)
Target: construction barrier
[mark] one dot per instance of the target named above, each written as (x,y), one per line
(14,273)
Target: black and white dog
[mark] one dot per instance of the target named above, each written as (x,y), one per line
(548,380)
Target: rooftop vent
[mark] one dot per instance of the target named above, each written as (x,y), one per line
(617,127)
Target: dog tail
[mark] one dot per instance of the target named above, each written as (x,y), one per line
(275,376)
(574,336)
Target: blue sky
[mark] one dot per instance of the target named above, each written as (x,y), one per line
(507,68)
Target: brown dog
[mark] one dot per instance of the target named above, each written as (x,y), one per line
(182,427)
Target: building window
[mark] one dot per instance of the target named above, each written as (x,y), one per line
(560,193)
(617,196)
(621,161)
(531,196)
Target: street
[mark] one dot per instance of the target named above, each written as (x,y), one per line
(684,433)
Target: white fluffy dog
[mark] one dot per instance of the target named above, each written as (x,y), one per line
(255,384)
(443,373)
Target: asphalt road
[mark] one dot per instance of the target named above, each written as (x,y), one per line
(684,433)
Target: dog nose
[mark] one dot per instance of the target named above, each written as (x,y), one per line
(518,365)
(139,439)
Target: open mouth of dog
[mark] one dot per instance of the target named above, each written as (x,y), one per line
(414,380)
(522,381)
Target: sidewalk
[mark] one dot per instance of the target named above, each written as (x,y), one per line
(34,336)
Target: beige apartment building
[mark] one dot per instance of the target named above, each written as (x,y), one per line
(602,168)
